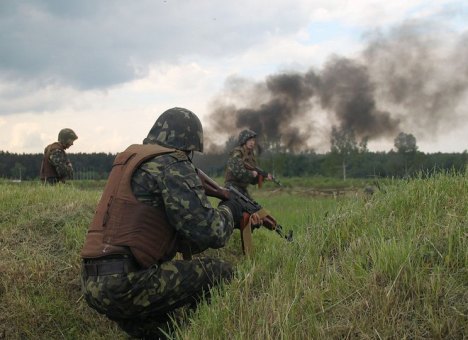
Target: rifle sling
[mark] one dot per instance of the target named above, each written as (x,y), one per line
(246,233)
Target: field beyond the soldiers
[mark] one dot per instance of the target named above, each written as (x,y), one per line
(391,265)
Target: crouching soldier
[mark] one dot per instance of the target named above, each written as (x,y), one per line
(153,206)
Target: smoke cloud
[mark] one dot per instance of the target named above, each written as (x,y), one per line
(412,78)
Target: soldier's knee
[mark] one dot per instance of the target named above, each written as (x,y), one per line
(221,270)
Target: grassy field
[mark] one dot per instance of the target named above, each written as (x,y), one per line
(388,266)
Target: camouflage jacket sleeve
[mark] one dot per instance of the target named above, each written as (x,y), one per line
(62,164)
(238,170)
(176,186)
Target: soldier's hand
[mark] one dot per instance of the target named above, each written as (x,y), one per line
(255,220)
(270,177)
(254,173)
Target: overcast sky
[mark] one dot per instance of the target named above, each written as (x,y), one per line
(107,69)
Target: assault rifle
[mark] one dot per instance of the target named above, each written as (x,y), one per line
(248,206)
(262,174)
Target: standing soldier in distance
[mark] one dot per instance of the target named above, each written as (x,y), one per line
(153,206)
(244,153)
(56,167)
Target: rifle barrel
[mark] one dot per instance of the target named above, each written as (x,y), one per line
(288,237)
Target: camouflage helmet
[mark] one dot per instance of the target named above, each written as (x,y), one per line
(245,135)
(66,136)
(177,128)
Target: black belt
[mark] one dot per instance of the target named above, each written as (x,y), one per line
(102,266)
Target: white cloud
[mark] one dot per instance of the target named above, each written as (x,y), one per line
(372,13)
(24,135)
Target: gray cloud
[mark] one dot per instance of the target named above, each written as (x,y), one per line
(420,71)
(96,44)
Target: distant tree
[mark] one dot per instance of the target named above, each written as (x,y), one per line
(344,145)
(343,141)
(230,144)
(363,145)
(405,143)
(18,170)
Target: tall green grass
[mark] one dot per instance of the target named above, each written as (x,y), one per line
(390,265)
(42,229)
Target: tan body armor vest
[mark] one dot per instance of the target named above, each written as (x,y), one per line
(47,169)
(247,157)
(122,223)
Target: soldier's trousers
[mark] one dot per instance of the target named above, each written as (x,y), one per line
(141,301)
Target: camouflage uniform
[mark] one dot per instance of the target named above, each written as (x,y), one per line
(141,301)
(56,167)
(236,173)
(59,159)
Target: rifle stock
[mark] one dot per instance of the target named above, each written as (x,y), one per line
(212,188)
(249,207)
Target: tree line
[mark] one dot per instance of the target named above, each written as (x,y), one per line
(348,157)
(355,162)
(355,165)
(27,166)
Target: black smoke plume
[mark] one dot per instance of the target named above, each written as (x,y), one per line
(412,78)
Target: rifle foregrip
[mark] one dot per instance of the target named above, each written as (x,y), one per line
(269,222)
